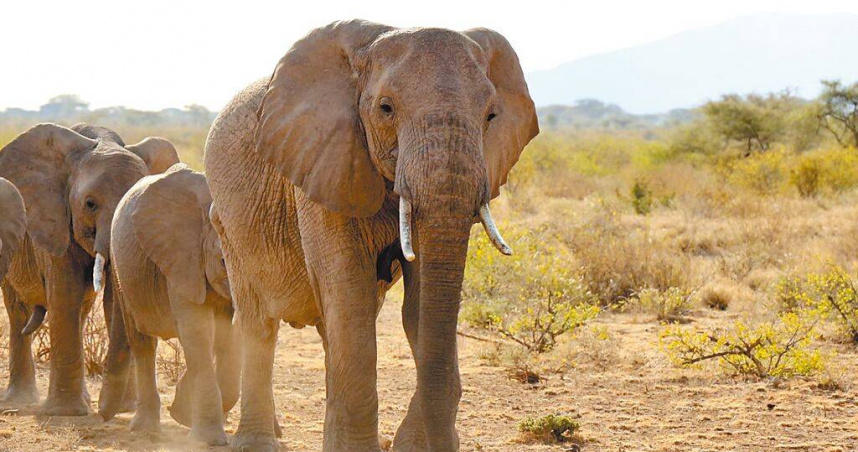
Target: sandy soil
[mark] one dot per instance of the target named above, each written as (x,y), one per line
(639,402)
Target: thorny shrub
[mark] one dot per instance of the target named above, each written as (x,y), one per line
(781,348)
(831,295)
(531,298)
(552,427)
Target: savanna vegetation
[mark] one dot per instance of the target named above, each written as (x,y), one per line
(721,241)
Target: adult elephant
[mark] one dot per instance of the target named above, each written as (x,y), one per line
(365,136)
(71,181)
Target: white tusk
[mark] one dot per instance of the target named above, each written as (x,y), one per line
(98,273)
(405,229)
(492,230)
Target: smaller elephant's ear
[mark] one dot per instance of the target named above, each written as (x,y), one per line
(13,223)
(37,163)
(515,124)
(309,126)
(158,153)
(168,221)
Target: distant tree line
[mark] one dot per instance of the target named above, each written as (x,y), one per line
(69,109)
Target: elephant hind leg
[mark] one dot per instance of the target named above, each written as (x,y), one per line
(148,416)
(22,371)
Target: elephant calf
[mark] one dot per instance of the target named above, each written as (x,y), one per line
(171,280)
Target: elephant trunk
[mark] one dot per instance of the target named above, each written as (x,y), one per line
(443,186)
(443,242)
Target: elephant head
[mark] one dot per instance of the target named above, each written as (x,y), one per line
(356,108)
(172,223)
(72,181)
(13,224)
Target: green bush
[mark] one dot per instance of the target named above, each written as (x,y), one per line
(668,306)
(531,298)
(781,348)
(832,295)
(552,427)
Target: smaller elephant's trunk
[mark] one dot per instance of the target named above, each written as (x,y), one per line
(98,272)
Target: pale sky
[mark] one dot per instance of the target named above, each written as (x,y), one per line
(155,54)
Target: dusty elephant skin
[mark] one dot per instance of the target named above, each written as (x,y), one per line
(365,134)
(162,232)
(71,181)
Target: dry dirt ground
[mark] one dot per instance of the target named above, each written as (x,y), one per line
(638,402)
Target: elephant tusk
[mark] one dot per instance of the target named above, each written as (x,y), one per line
(35,321)
(98,273)
(405,229)
(492,230)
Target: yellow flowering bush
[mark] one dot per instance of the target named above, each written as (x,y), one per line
(530,298)
(773,349)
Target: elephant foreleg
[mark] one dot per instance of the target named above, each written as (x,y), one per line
(22,372)
(66,300)
(196,326)
(148,416)
(117,382)
(228,357)
(113,310)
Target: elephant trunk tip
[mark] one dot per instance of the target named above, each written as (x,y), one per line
(98,272)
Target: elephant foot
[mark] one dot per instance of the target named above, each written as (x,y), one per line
(180,411)
(145,421)
(411,437)
(128,406)
(213,435)
(410,440)
(20,396)
(56,407)
(254,442)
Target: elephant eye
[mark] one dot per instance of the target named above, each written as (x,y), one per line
(386,106)
(91,205)
(491,116)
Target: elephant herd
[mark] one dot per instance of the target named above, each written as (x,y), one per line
(366,156)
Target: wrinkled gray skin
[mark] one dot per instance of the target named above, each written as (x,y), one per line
(307,171)
(71,181)
(162,233)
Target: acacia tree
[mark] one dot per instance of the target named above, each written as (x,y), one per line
(839,111)
(753,121)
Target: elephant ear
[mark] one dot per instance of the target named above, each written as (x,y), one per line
(168,221)
(13,223)
(36,162)
(309,126)
(515,124)
(97,133)
(158,153)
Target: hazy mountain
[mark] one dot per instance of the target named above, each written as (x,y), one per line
(759,53)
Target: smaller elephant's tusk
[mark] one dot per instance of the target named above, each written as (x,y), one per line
(492,230)
(405,229)
(98,273)
(35,321)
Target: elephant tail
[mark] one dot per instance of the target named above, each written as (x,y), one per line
(36,320)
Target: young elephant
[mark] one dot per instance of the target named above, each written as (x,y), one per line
(171,281)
